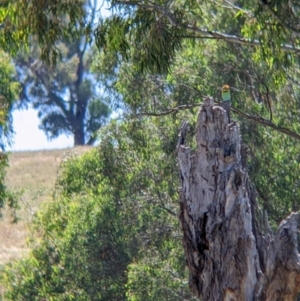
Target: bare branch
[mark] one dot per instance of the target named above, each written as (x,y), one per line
(256,119)
(167,112)
(265,122)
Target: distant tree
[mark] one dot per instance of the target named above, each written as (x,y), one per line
(66,95)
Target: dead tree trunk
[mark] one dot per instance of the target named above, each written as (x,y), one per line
(228,257)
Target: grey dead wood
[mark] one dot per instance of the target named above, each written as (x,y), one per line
(228,256)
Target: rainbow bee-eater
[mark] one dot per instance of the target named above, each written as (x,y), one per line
(226,100)
(226,93)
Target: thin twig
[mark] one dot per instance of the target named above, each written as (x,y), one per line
(167,112)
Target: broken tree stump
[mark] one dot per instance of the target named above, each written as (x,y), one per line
(228,257)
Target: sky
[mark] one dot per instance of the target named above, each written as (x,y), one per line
(28,136)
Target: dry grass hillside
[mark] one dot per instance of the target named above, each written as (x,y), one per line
(33,173)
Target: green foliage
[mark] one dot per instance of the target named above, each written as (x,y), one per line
(159,275)
(274,170)
(9,89)
(81,245)
(78,175)
(48,21)
(151,34)
(81,255)
(113,207)
(153,42)
(7,198)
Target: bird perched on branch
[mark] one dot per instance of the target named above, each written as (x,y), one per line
(226,100)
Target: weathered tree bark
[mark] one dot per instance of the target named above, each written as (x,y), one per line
(228,257)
